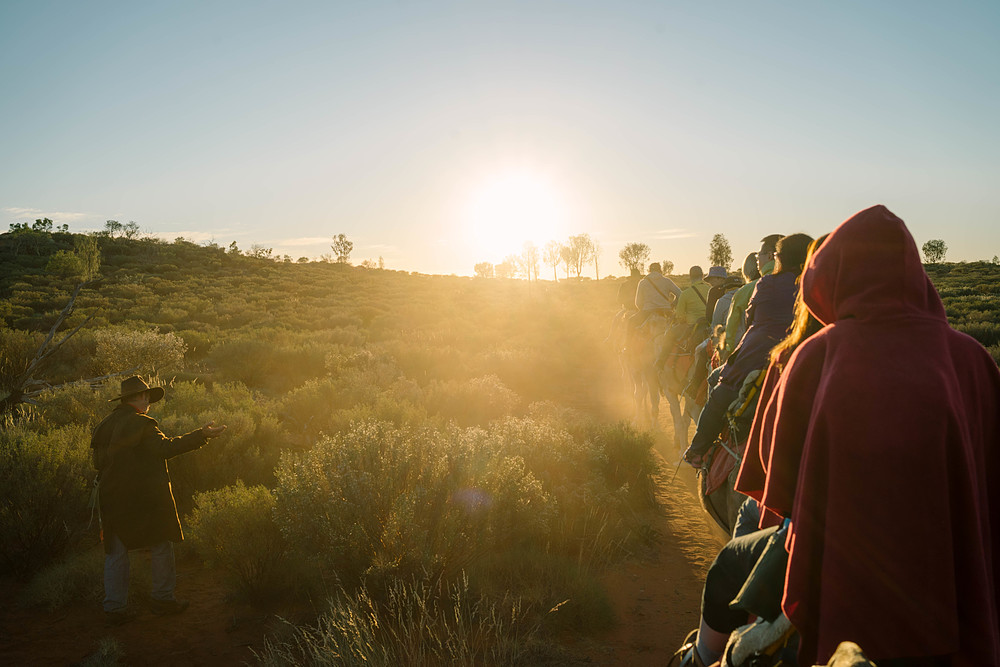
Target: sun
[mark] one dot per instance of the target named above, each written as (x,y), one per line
(513,207)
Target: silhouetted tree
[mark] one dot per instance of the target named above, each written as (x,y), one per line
(484,270)
(566,255)
(581,252)
(507,268)
(31,238)
(112,227)
(130,230)
(720,253)
(553,256)
(342,248)
(935,251)
(529,260)
(634,256)
(43,225)
(667,267)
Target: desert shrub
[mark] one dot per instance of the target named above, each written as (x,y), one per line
(273,362)
(17,348)
(628,459)
(385,499)
(44,493)
(987,333)
(417,624)
(74,403)
(233,528)
(248,451)
(995,351)
(425,359)
(199,343)
(550,581)
(121,348)
(77,578)
(600,477)
(471,402)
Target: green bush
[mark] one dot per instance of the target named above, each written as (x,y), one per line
(472,402)
(233,528)
(74,403)
(44,493)
(381,499)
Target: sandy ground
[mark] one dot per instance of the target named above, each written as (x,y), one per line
(656,598)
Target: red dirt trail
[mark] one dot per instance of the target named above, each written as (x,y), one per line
(656,598)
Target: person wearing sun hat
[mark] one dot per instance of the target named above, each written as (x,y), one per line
(137,505)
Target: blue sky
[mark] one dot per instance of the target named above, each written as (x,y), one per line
(283,124)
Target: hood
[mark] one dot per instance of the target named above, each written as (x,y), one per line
(869,268)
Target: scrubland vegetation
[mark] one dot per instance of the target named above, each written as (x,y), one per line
(434,464)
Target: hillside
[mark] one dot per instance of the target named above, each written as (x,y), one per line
(386,430)
(396,442)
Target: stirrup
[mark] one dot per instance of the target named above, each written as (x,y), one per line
(687,654)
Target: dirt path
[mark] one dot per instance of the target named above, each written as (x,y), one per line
(658,597)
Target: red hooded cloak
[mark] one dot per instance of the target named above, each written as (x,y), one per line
(882,443)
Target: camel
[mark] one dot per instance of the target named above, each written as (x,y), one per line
(638,361)
(684,410)
(717,481)
(647,382)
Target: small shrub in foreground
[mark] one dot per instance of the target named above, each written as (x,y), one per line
(109,654)
(234,529)
(78,578)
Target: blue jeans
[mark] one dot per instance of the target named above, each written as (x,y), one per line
(116,573)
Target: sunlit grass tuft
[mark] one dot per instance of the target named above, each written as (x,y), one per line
(416,624)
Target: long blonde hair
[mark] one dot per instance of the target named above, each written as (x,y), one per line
(803,324)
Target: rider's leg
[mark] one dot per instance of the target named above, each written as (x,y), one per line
(725,578)
(698,370)
(712,420)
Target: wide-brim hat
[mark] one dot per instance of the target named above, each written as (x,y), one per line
(717,272)
(136,385)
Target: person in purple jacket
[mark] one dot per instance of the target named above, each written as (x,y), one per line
(769,315)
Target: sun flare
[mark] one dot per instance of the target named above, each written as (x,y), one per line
(511,208)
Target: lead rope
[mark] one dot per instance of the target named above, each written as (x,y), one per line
(95,506)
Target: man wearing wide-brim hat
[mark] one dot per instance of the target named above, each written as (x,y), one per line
(137,505)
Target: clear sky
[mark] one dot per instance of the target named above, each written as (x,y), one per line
(440,134)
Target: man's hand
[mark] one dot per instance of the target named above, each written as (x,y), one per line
(210,431)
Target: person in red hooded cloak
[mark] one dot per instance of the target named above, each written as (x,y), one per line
(883,447)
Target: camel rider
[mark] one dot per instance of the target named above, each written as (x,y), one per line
(690,311)
(655,294)
(626,297)
(716,276)
(736,323)
(626,291)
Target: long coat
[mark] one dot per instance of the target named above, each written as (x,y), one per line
(137,503)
